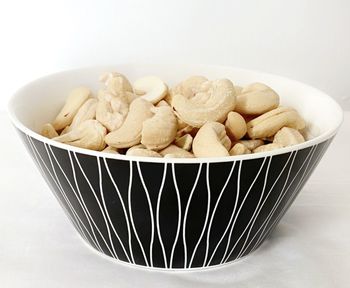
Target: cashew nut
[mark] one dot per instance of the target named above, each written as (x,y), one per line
(184,142)
(267,147)
(211,141)
(48,131)
(86,112)
(173,151)
(112,114)
(187,88)
(238,89)
(239,149)
(129,133)
(213,102)
(115,83)
(256,99)
(74,101)
(235,126)
(160,130)
(288,137)
(89,134)
(151,88)
(111,150)
(183,131)
(142,152)
(162,103)
(65,130)
(269,123)
(251,144)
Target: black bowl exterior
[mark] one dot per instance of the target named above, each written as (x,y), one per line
(174,215)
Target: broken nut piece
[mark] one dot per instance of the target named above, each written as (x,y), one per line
(288,137)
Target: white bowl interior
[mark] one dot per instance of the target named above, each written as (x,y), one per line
(39,101)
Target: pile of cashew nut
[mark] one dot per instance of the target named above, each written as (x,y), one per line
(196,118)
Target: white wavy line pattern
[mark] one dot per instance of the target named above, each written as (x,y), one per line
(59,190)
(132,254)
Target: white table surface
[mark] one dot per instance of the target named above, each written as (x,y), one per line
(39,247)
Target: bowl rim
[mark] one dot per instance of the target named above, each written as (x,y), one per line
(314,141)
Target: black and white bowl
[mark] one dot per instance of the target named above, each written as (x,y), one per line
(173,213)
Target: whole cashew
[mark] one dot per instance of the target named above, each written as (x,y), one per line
(213,102)
(252,144)
(86,112)
(173,151)
(75,100)
(184,142)
(160,130)
(48,131)
(269,123)
(151,88)
(89,134)
(112,114)
(288,137)
(211,141)
(267,147)
(256,99)
(129,133)
(239,149)
(142,152)
(235,126)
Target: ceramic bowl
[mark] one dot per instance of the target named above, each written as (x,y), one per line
(173,213)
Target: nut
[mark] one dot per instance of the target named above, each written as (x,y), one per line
(235,126)
(89,134)
(288,137)
(214,100)
(115,83)
(113,113)
(48,131)
(126,96)
(269,123)
(65,130)
(256,99)
(239,149)
(111,150)
(129,133)
(188,88)
(252,144)
(151,88)
(173,151)
(184,142)
(162,103)
(238,89)
(142,152)
(267,147)
(160,130)
(184,130)
(86,112)
(74,101)
(211,141)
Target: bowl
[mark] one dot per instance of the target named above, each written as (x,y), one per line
(173,213)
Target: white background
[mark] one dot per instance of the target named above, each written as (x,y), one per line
(307,40)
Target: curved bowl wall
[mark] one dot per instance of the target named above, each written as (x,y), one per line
(174,215)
